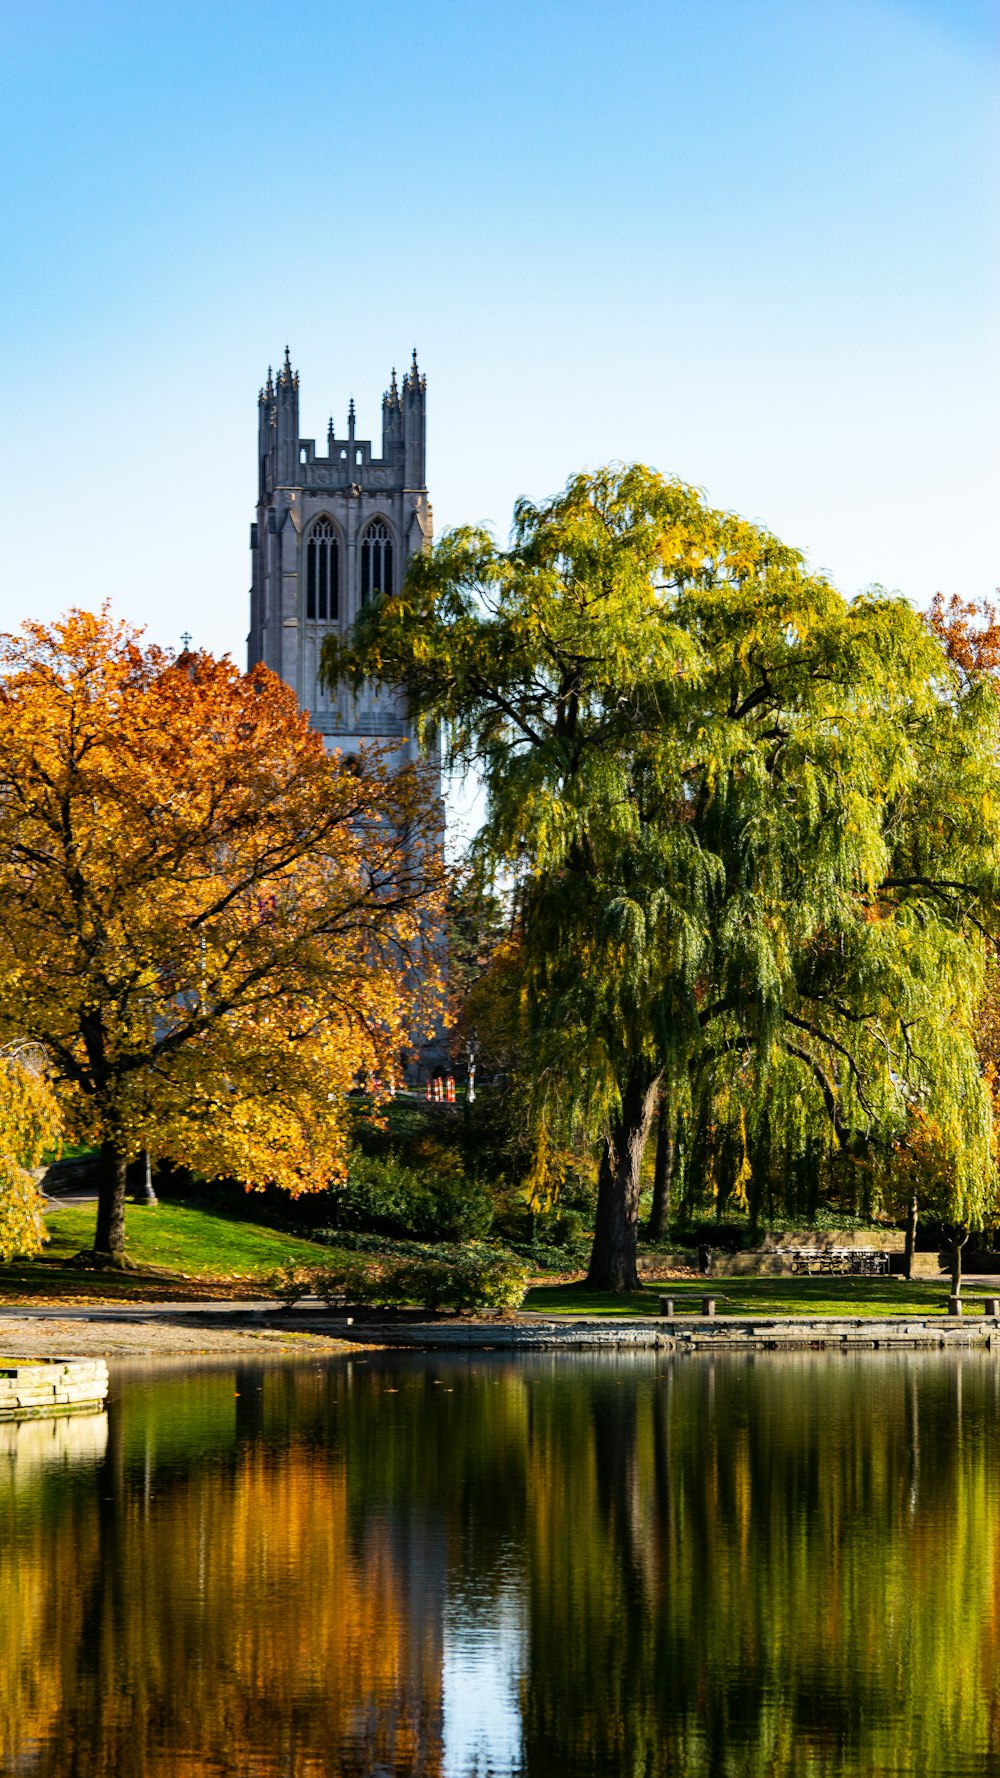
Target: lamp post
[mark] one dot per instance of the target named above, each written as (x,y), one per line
(140,1178)
(471,1052)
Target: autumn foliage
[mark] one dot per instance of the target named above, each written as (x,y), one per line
(29,1125)
(210,923)
(969,633)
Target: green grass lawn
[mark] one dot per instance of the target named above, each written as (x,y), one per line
(203,1252)
(764,1296)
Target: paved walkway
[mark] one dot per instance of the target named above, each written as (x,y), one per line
(142,1331)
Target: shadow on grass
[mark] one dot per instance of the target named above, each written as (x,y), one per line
(193,1254)
(54,1281)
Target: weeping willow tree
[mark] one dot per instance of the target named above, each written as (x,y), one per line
(751,824)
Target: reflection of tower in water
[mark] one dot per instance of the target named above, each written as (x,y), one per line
(483,1670)
(414,1543)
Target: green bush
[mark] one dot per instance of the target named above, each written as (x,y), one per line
(459,1278)
(470,1278)
(384,1196)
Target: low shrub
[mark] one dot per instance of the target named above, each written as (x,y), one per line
(291,1283)
(471,1278)
(460,1278)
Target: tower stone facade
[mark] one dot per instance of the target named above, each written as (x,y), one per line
(331,532)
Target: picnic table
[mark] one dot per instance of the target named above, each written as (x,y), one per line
(864,1262)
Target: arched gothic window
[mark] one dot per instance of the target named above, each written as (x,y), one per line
(323,572)
(376,561)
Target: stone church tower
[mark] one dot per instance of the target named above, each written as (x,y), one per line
(331,532)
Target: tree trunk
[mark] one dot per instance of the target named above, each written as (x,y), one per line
(663,1174)
(911,1237)
(109,1241)
(613,1258)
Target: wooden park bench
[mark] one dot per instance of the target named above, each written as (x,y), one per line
(866,1262)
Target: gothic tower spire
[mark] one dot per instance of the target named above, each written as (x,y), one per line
(414,425)
(331,531)
(392,419)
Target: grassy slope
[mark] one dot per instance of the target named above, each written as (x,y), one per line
(205,1253)
(197,1247)
(765,1296)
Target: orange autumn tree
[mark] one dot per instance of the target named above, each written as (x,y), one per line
(969,633)
(211,924)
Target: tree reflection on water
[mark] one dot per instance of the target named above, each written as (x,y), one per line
(598,1566)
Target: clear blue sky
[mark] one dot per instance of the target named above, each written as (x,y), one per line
(752,243)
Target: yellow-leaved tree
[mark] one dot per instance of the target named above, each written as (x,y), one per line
(29,1125)
(210,923)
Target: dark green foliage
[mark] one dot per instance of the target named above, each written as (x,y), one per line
(556,1239)
(484,1144)
(568,1228)
(737,1234)
(478,920)
(358,1241)
(387,1197)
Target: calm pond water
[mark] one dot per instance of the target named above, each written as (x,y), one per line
(590,1567)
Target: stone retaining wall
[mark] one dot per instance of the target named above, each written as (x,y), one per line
(884,1240)
(58,1386)
(777,1262)
(690,1333)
